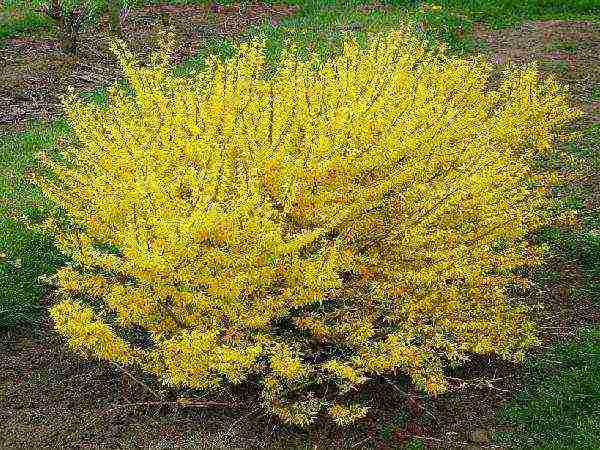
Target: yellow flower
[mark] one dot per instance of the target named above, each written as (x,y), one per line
(345,415)
(436,385)
(343,371)
(286,365)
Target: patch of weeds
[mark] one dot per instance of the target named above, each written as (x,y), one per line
(387,429)
(573,202)
(482,46)
(451,28)
(546,276)
(18,18)
(510,13)
(402,3)
(591,222)
(566,157)
(321,26)
(569,198)
(595,95)
(589,243)
(222,48)
(584,147)
(583,244)
(590,257)
(580,245)
(562,243)
(415,444)
(570,47)
(190,66)
(560,406)
(99,96)
(18,194)
(318,28)
(558,66)
(567,46)
(580,151)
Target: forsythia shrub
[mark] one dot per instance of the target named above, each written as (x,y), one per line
(311,229)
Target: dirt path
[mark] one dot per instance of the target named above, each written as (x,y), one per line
(575,62)
(49,397)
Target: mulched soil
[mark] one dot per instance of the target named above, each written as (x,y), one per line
(51,397)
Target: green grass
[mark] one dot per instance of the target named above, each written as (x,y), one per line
(20,17)
(27,252)
(24,23)
(560,406)
(387,429)
(456,17)
(567,46)
(415,444)
(508,13)
(558,66)
(315,18)
(320,27)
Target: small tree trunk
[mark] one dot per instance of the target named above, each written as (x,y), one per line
(114,10)
(73,23)
(69,25)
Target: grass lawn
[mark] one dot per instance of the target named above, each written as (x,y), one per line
(560,405)
(559,402)
(26,253)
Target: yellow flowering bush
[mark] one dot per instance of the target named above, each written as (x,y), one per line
(313,228)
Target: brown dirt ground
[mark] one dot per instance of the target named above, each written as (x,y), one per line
(50,397)
(36,71)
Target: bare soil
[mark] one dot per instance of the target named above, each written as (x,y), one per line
(36,72)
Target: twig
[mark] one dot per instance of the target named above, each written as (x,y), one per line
(479,383)
(92,51)
(368,438)
(208,404)
(395,387)
(138,381)
(452,442)
(554,361)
